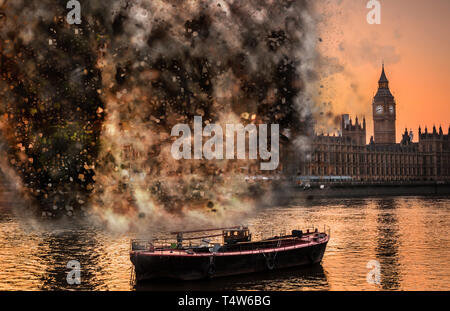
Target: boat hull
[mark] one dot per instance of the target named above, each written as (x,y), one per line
(184,267)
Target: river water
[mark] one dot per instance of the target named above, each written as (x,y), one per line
(408,236)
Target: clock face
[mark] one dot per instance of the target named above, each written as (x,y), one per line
(379,109)
(391,109)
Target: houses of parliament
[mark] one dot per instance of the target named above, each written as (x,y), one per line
(348,157)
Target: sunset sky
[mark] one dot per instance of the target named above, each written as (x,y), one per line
(412,39)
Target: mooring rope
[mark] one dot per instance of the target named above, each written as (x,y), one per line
(268,257)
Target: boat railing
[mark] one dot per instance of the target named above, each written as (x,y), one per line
(139,245)
(150,245)
(306,230)
(163,245)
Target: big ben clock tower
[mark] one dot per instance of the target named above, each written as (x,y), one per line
(384,113)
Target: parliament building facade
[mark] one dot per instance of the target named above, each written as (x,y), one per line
(347,157)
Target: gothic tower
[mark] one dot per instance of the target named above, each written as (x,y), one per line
(384,113)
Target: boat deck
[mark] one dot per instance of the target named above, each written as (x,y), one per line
(245,248)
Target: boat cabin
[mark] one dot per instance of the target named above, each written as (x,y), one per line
(235,235)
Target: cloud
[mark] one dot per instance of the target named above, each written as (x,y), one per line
(369,52)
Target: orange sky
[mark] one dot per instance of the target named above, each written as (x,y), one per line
(412,39)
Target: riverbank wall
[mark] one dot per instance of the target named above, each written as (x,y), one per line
(354,189)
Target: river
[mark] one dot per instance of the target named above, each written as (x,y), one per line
(408,236)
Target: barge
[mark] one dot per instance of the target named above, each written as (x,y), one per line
(237,254)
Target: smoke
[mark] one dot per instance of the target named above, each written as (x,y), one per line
(88,109)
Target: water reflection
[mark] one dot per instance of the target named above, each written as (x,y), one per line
(292,279)
(405,234)
(58,248)
(387,248)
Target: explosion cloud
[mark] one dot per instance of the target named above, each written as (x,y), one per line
(87,109)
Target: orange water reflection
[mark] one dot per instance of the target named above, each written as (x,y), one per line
(407,235)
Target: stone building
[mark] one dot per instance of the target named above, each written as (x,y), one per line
(347,157)
(384,112)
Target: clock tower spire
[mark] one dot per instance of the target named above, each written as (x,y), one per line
(384,112)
